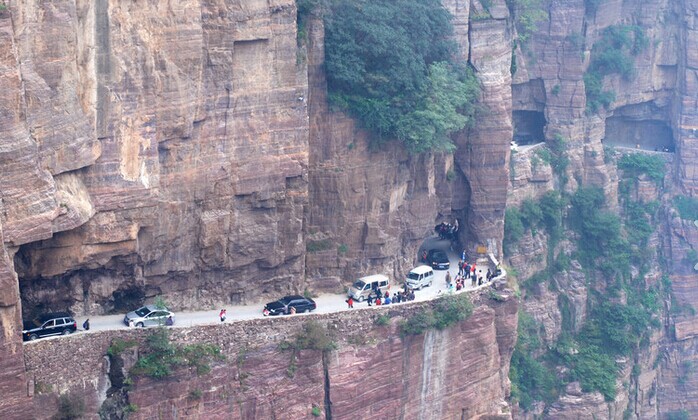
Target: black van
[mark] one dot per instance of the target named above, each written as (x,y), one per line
(49,324)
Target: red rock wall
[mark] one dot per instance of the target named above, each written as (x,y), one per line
(549,79)
(153,148)
(371,206)
(460,371)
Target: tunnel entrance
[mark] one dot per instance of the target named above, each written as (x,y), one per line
(642,126)
(529,127)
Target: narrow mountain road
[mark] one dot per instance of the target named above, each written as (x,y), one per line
(326,303)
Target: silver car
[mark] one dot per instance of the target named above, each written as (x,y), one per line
(149,316)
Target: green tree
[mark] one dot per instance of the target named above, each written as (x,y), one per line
(390,64)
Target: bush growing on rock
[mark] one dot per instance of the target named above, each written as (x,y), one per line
(160,356)
(445,312)
(612,54)
(391,65)
(635,164)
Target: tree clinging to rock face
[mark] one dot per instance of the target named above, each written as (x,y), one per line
(390,63)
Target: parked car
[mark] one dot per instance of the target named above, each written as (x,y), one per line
(49,324)
(369,285)
(284,305)
(438,259)
(420,276)
(148,316)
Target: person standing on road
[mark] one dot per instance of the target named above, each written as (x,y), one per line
(448,278)
(350,302)
(293,310)
(223,315)
(86,324)
(169,322)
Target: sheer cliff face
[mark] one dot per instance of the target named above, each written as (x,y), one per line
(176,149)
(154,149)
(549,83)
(147,148)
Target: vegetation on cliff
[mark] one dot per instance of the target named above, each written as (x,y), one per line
(444,313)
(391,64)
(687,207)
(612,54)
(527,15)
(636,164)
(612,249)
(160,356)
(531,379)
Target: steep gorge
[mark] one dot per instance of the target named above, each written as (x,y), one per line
(186,149)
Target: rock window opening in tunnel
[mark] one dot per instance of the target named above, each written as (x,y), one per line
(655,135)
(529,127)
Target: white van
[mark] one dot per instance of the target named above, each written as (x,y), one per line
(364,286)
(419,277)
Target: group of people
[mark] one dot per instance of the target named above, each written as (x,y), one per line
(469,271)
(446,230)
(385,299)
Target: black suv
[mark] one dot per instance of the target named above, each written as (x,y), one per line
(49,324)
(438,259)
(284,305)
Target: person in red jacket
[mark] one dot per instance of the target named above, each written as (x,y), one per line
(350,302)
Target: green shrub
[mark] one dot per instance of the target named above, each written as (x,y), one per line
(314,336)
(531,213)
(555,90)
(528,14)
(417,324)
(544,154)
(552,205)
(531,380)
(636,164)
(118,345)
(451,309)
(678,415)
(70,406)
(382,320)
(558,146)
(445,312)
(612,54)
(596,96)
(304,10)
(317,246)
(687,207)
(391,65)
(342,249)
(595,370)
(513,227)
(316,411)
(160,356)
(195,394)
(130,408)
(160,303)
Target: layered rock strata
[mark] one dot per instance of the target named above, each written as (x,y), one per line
(163,150)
